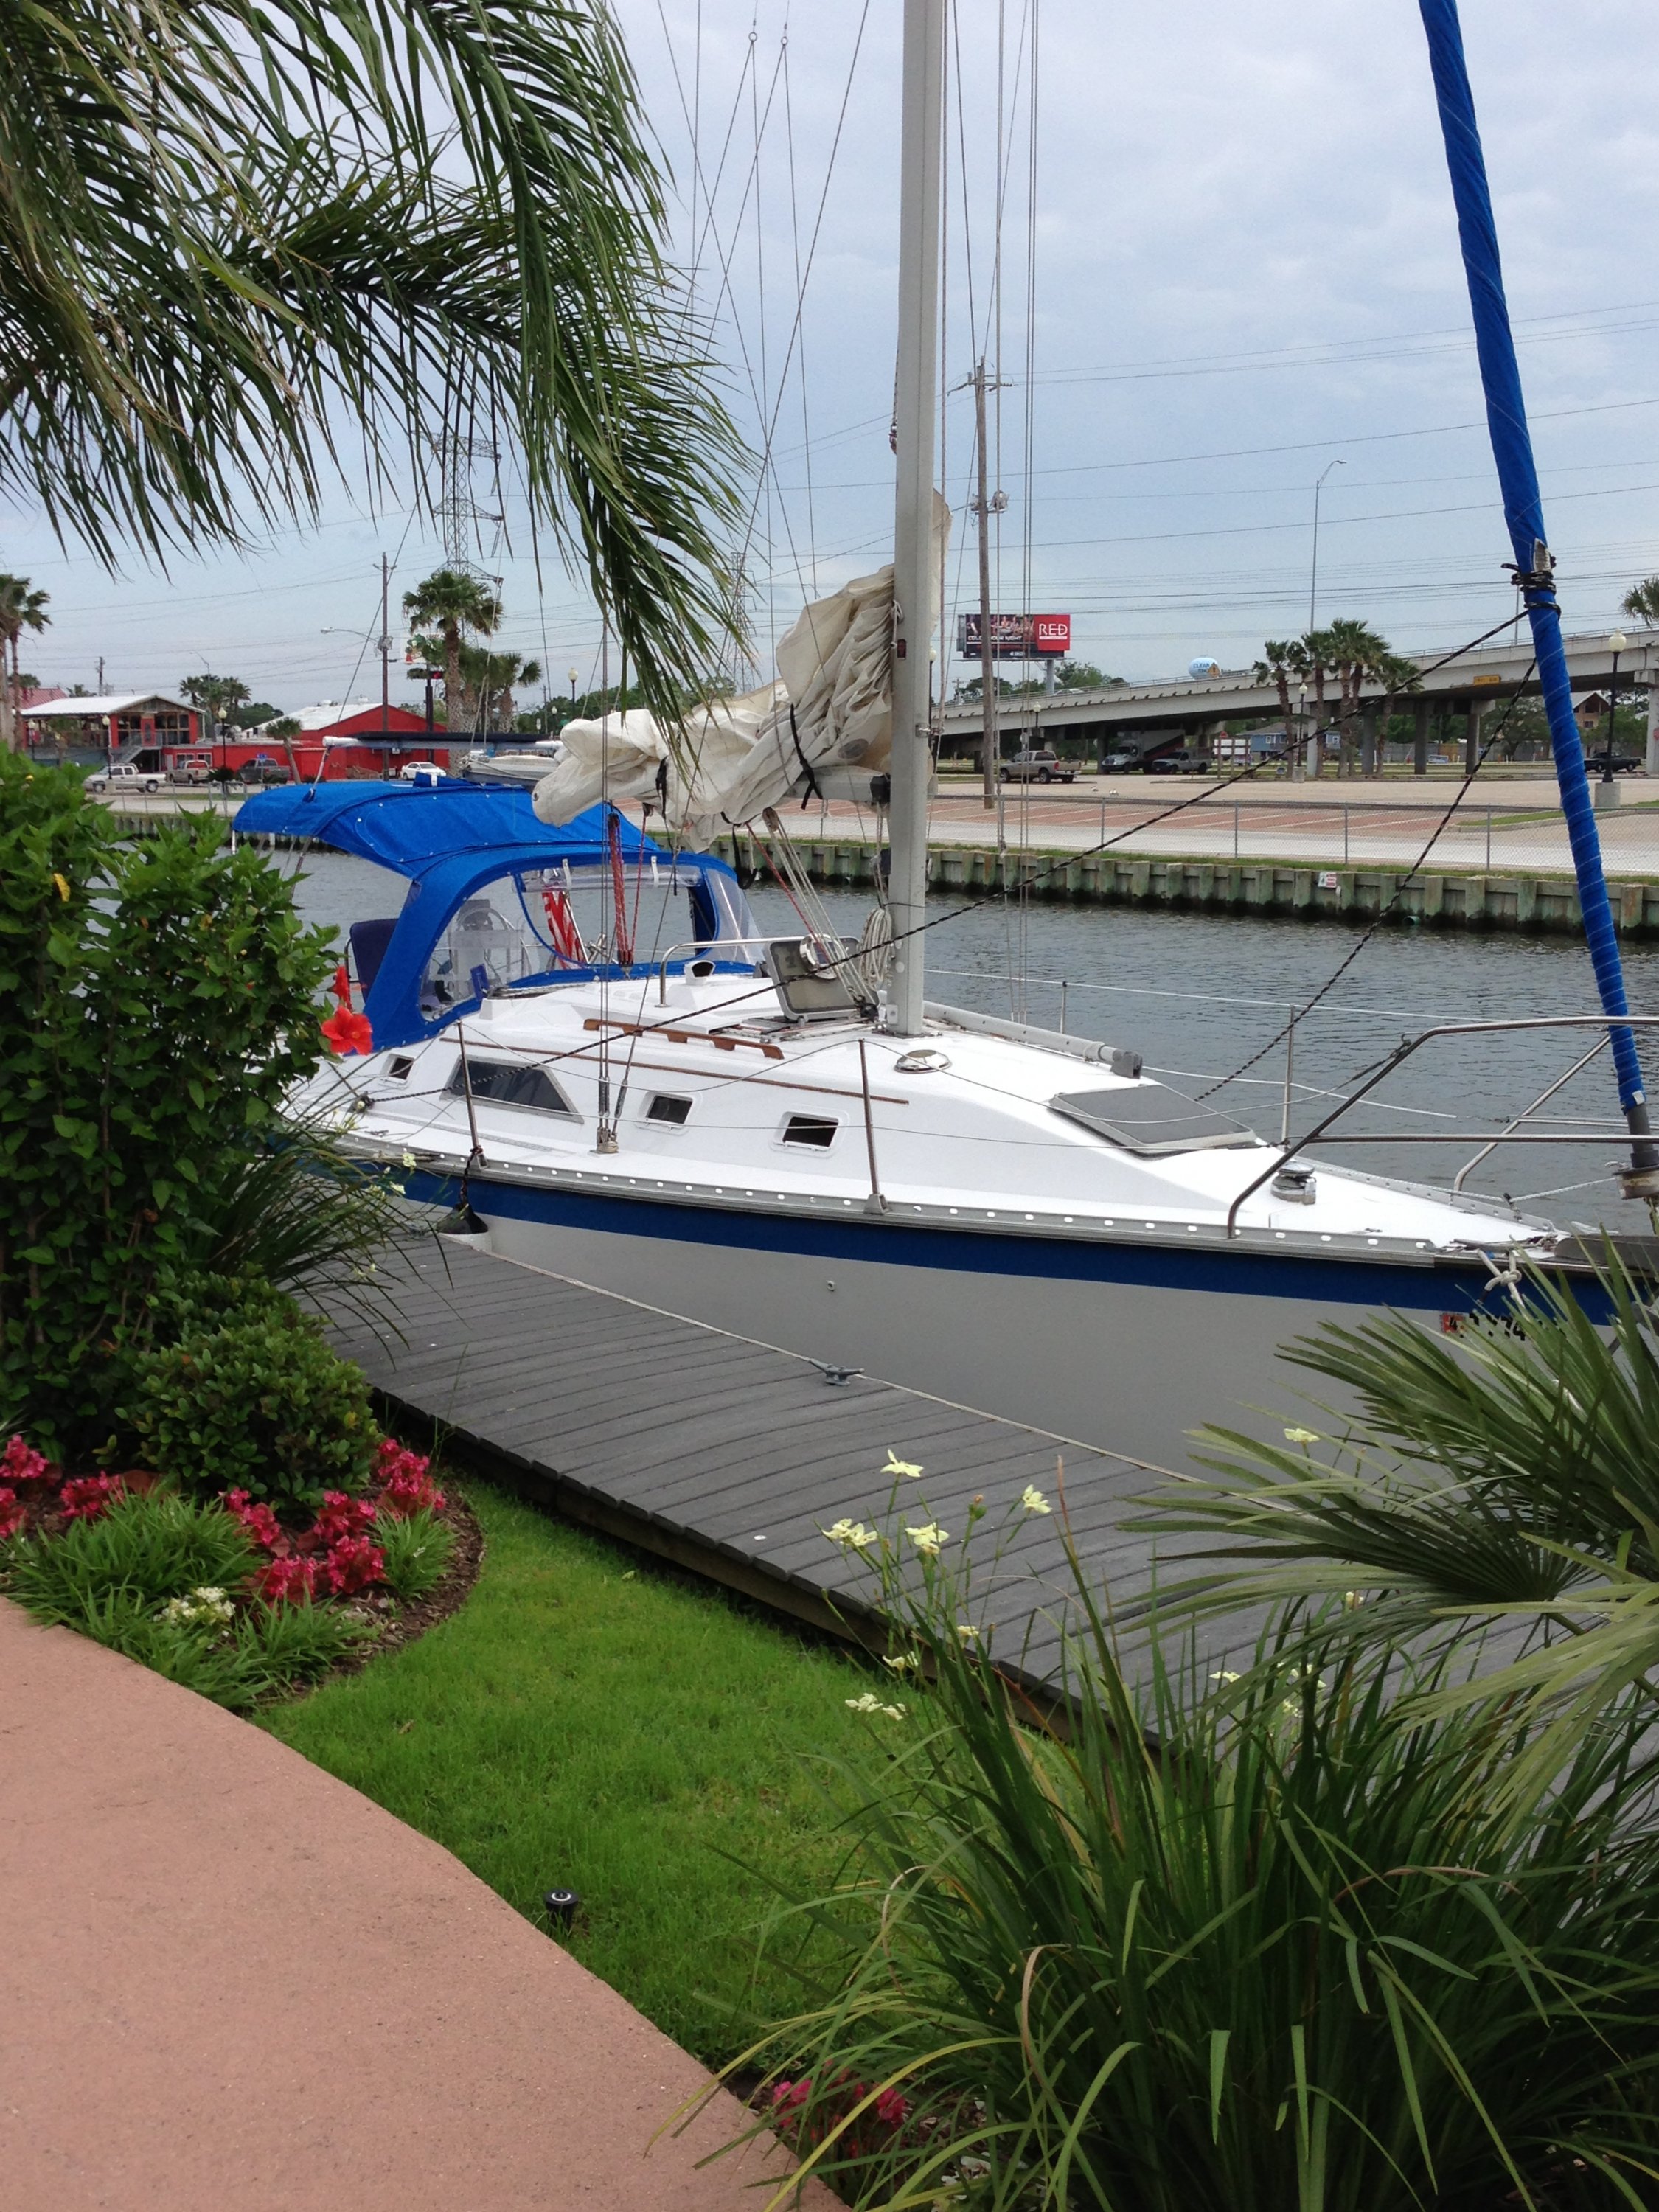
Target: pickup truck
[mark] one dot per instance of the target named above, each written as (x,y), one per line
(1037,768)
(125,777)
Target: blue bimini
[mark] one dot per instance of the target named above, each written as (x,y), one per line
(498,900)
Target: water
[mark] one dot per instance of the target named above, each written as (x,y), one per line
(1198,996)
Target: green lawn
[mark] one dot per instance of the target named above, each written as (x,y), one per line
(579,1725)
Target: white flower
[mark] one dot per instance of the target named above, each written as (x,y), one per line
(904,1664)
(851,1536)
(408,1159)
(1225,1675)
(870,1703)
(1351,1600)
(966,1631)
(929,1539)
(1033,1501)
(1302,1436)
(898,1466)
(206,1607)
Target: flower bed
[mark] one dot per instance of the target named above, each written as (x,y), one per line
(225,1593)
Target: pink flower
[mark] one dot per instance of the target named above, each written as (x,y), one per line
(352,1564)
(20,1462)
(11,1513)
(789,2096)
(88,1497)
(342,1516)
(260,1522)
(406,1482)
(892,2108)
(287,1581)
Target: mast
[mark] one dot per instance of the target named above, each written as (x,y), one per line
(988,679)
(913,610)
(1534,564)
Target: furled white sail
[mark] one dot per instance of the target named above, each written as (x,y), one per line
(831,709)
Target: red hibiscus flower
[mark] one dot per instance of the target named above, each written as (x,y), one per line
(11,1513)
(347,1032)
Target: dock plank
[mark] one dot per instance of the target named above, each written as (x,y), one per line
(726,1455)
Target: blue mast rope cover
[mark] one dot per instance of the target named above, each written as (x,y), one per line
(1523,511)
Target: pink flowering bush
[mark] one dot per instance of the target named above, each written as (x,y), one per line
(12,1512)
(88,1497)
(404,1478)
(19,1463)
(258,1519)
(292,1581)
(353,1565)
(340,1517)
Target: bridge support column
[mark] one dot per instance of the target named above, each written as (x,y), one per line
(1368,737)
(1653,727)
(1472,737)
(1420,737)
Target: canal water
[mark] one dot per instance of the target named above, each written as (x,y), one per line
(1206,1001)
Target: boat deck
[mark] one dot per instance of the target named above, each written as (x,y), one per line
(730,1458)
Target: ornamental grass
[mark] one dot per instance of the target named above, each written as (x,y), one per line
(1287,1949)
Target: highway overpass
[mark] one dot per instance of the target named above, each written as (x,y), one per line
(1142,715)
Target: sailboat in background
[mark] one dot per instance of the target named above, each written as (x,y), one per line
(787,1138)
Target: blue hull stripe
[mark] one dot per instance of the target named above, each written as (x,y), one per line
(1237,1273)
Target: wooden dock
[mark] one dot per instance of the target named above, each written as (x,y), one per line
(731,1458)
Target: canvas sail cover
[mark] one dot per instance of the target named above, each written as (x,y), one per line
(830,709)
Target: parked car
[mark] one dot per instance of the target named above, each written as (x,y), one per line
(1117,762)
(1179,763)
(266,772)
(190,772)
(1037,768)
(125,777)
(420,771)
(1621,763)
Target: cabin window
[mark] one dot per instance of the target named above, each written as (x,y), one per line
(399,1068)
(811,1130)
(674,1111)
(507,1083)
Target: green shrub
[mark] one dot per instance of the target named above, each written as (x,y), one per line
(258,1401)
(268,1651)
(143,1550)
(157,1000)
(417,1551)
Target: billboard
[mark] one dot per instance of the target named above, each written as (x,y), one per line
(1015,637)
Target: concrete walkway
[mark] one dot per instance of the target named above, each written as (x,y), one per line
(230,1984)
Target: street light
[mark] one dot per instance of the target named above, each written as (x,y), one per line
(1313,578)
(1618,642)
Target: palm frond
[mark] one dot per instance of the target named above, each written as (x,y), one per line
(224,230)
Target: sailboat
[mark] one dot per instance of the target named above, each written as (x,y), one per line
(787,1137)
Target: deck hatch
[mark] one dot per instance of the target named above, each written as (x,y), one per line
(812,1130)
(508,1083)
(665,1108)
(1151,1119)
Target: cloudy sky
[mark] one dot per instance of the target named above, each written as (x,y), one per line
(1240,267)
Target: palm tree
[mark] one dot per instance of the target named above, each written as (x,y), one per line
(226,231)
(1321,652)
(1359,652)
(1283,661)
(489,679)
(1504,1478)
(1641,602)
(216,696)
(22,607)
(453,601)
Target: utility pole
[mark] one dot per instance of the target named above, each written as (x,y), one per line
(101,675)
(985,508)
(386,656)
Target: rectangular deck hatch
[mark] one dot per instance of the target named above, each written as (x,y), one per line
(1150,1119)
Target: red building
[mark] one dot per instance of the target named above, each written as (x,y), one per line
(340,739)
(141,726)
